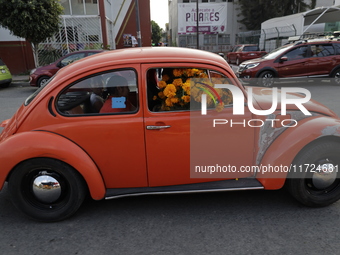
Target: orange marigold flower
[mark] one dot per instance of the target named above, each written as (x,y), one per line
(162,84)
(178,72)
(170,91)
(186,99)
(154,98)
(165,77)
(177,82)
(161,95)
(174,100)
(186,88)
(168,102)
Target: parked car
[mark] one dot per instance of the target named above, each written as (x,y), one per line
(177,134)
(5,75)
(244,52)
(303,59)
(39,76)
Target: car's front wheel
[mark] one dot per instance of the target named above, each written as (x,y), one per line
(314,176)
(46,189)
(42,81)
(266,79)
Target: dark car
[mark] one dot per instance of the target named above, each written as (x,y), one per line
(244,52)
(303,59)
(41,75)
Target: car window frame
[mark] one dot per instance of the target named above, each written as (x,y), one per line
(61,113)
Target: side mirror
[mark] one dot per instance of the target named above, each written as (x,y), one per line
(284,58)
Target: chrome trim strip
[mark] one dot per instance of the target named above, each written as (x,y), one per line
(182,192)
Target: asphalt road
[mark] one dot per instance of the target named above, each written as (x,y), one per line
(246,222)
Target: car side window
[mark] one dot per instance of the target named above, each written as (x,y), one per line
(322,50)
(178,89)
(70,59)
(107,93)
(337,48)
(297,53)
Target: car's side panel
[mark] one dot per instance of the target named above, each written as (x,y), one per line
(286,147)
(50,145)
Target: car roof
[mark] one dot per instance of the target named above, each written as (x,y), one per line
(143,55)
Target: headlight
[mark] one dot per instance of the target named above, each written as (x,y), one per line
(251,65)
(32,71)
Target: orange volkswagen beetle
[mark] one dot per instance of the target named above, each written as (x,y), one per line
(163,120)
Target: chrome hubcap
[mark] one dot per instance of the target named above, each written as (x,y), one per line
(325,176)
(267,80)
(46,188)
(337,77)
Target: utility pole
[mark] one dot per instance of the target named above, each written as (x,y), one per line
(139,35)
(197,25)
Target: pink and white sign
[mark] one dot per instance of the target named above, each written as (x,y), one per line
(212,18)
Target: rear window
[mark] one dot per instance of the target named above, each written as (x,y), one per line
(251,48)
(32,96)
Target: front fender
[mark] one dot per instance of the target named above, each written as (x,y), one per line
(37,144)
(285,148)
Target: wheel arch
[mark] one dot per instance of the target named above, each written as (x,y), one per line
(331,74)
(50,145)
(276,74)
(284,149)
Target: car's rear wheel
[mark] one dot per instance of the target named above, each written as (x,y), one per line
(46,189)
(5,85)
(42,81)
(314,178)
(266,79)
(336,77)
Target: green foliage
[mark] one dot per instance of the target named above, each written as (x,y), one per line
(34,20)
(257,11)
(156,32)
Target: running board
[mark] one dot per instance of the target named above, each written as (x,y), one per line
(227,185)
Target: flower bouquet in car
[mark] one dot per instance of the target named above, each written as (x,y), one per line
(180,88)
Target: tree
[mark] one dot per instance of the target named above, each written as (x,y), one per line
(156,32)
(257,11)
(34,20)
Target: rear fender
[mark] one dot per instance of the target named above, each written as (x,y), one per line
(286,147)
(38,144)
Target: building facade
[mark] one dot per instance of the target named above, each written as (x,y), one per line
(217,24)
(85,24)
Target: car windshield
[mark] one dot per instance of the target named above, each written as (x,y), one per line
(1,62)
(275,53)
(32,96)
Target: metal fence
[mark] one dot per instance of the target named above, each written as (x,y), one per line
(76,33)
(267,39)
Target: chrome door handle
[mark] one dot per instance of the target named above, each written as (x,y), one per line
(156,127)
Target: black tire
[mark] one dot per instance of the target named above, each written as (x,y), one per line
(5,85)
(61,191)
(266,79)
(336,77)
(42,81)
(309,185)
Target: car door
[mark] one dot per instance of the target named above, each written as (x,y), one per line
(293,63)
(113,136)
(170,132)
(322,59)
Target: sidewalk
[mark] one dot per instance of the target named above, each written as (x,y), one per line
(20,78)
